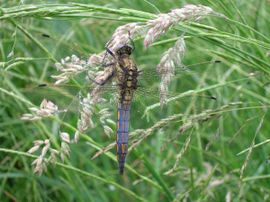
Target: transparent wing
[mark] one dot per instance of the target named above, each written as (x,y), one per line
(66,95)
(148,87)
(149,80)
(150,73)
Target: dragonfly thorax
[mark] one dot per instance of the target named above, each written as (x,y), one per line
(126,74)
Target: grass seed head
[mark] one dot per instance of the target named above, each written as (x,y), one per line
(123,34)
(171,59)
(46,109)
(164,21)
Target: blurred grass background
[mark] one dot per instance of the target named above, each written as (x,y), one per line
(209,169)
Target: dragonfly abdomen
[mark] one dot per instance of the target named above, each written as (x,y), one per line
(122,134)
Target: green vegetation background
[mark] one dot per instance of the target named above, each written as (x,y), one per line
(209,168)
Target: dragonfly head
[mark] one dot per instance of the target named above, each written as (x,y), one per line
(125,50)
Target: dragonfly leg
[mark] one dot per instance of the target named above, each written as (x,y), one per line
(105,55)
(96,82)
(108,64)
(103,81)
(107,51)
(102,78)
(103,60)
(110,52)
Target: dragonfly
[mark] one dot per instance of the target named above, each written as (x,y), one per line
(124,70)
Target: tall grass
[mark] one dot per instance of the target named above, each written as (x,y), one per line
(194,148)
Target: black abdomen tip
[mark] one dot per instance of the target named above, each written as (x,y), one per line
(121,168)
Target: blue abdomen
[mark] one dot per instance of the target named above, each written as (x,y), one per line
(122,134)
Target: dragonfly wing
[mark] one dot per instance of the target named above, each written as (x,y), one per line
(149,82)
(191,69)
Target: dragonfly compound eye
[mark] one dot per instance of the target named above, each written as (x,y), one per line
(125,50)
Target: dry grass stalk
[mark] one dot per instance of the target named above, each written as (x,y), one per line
(180,155)
(139,135)
(251,149)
